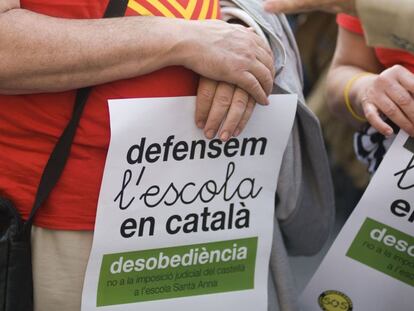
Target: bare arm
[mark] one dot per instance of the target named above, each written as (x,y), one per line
(45,54)
(352,56)
(8,5)
(387,92)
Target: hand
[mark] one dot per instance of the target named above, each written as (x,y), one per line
(390,93)
(230,53)
(222,104)
(295,6)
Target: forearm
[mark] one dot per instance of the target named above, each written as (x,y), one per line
(44,54)
(351,57)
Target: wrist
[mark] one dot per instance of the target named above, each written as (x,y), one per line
(184,45)
(175,41)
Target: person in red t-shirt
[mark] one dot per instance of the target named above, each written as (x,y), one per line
(373,85)
(49,48)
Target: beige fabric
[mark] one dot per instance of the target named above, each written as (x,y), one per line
(388,23)
(59,264)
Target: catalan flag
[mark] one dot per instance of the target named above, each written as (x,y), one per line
(187,9)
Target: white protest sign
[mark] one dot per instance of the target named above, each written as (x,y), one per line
(370,266)
(184,223)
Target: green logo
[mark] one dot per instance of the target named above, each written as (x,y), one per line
(385,249)
(179,271)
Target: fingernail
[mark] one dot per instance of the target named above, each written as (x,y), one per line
(225,136)
(267,101)
(210,134)
(236,133)
(200,124)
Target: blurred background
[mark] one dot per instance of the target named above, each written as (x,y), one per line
(316,37)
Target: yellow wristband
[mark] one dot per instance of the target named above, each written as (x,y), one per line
(346,95)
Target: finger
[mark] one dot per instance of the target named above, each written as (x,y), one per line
(235,114)
(406,79)
(403,99)
(246,116)
(264,75)
(205,95)
(221,104)
(266,60)
(373,117)
(250,83)
(393,112)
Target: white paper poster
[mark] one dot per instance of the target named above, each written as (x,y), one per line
(184,223)
(370,266)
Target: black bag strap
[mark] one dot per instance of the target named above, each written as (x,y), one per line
(60,154)
(116,8)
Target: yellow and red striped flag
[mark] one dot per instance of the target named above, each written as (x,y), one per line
(187,9)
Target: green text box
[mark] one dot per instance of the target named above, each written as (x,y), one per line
(233,270)
(385,249)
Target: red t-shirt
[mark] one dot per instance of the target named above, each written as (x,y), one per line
(387,57)
(31,124)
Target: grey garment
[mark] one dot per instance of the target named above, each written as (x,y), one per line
(305,205)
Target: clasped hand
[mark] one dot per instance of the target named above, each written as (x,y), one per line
(237,70)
